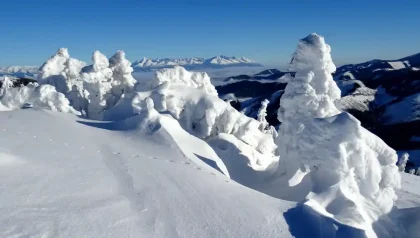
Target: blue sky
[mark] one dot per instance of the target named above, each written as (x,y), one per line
(267,31)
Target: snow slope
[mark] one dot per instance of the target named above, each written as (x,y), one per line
(65,177)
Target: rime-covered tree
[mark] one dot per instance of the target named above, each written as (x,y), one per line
(97,81)
(346,164)
(122,80)
(262,113)
(402,162)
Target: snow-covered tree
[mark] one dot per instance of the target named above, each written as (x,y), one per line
(97,81)
(51,71)
(402,162)
(262,113)
(346,164)
(122,80)
(92,89)
(418,171)
(411,171)
(6,83)
(179,75)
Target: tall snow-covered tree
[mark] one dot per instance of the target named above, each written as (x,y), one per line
(122,80)
(6,83)
(97,81)
(344,162)
(262,113)
(402,162)
(51,71)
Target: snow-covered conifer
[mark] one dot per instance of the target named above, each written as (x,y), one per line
(411,171)
(122,80)
(97,81)
(262,113)
(402,162)
(331,146)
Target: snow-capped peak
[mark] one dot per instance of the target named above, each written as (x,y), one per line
(192,63)
(223,60)
(19,71)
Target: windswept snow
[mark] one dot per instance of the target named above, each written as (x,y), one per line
(64,178)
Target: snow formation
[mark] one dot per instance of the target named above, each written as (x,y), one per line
(179,75)
(191,99)
(353,172)
(91,89)
(44,96)
(402,162)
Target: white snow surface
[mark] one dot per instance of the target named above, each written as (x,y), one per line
(67,178)
(397,64)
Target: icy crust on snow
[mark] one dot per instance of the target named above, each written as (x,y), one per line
(353,172)
(179,75)
(44,96)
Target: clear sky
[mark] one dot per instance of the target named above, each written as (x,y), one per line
(266,31)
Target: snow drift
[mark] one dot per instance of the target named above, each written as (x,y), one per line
(353,172)
(189,98)
(178,75)
(44,96)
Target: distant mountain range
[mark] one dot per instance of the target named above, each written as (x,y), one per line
(146,64)
(19,71)
(383,94)
(220,61)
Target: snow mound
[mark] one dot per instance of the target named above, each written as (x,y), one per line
(179,75)
(201,114)
(44,96)
(353,172)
